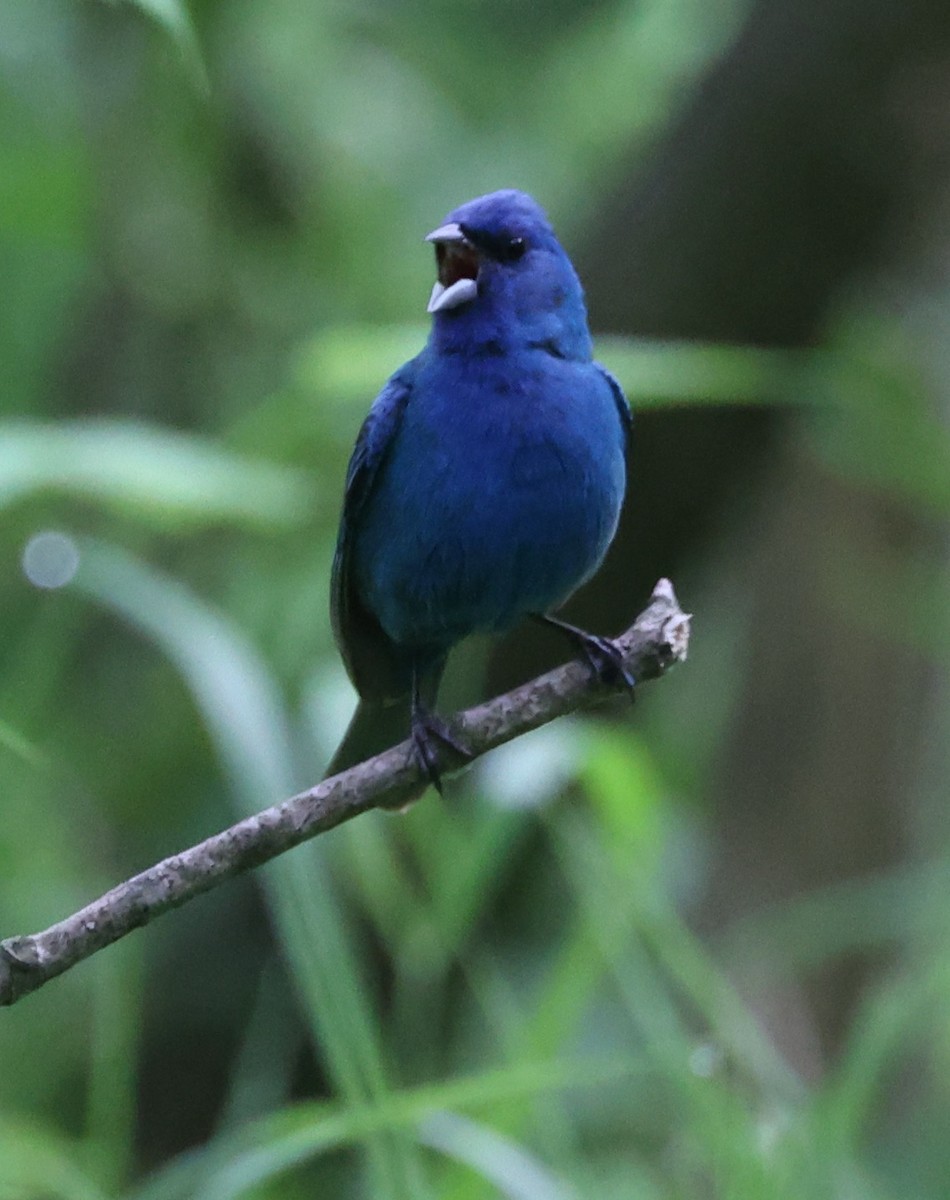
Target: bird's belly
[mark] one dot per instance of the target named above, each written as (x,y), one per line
(471,541)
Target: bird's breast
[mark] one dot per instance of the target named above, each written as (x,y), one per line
(499,497)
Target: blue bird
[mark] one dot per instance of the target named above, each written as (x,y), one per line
(486,481)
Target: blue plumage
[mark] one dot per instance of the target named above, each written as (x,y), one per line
(487,480)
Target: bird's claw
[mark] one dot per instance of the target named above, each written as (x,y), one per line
(606,660)
(604,656)
(427,731)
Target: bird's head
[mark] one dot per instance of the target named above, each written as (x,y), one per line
(501,268)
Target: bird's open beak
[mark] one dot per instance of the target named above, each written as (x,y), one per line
(457,262)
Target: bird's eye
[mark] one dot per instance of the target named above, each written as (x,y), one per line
(498,246)
(515,248)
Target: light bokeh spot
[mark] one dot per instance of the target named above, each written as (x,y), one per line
(705,1060)
(50,559)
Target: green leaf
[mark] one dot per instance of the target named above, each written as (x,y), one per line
(351,361)
(170,479)
(234,1164)
(657,374)
(20,746)
(175,19)
(244,712)
(35,1165)
(117,1004)
(513,1171)
(627,791)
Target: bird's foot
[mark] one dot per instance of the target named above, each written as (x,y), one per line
(428,731)
(604,656)
(606,661)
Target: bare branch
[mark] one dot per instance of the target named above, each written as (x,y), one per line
(659,638)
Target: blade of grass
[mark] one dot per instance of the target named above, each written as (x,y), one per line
(233,1165)
(242,708)
(347,362)
(175,19)
(170,479)
(263,1068)
(850,915)
(894,1019)
(24,749)
(513,1171)
(35,1164)
(110,1108)
(724,1123)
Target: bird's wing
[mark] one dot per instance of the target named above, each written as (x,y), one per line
(623,408)
(367,651)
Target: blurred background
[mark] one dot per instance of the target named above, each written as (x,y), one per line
(698,948)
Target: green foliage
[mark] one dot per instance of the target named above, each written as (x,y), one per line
(173,15)
(36,1163)
(155,475)
(209,228)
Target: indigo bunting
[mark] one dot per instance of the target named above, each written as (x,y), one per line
(486,481)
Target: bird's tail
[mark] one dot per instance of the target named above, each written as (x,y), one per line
(374,728)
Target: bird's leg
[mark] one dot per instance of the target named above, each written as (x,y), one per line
(604,657)
(427,729)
